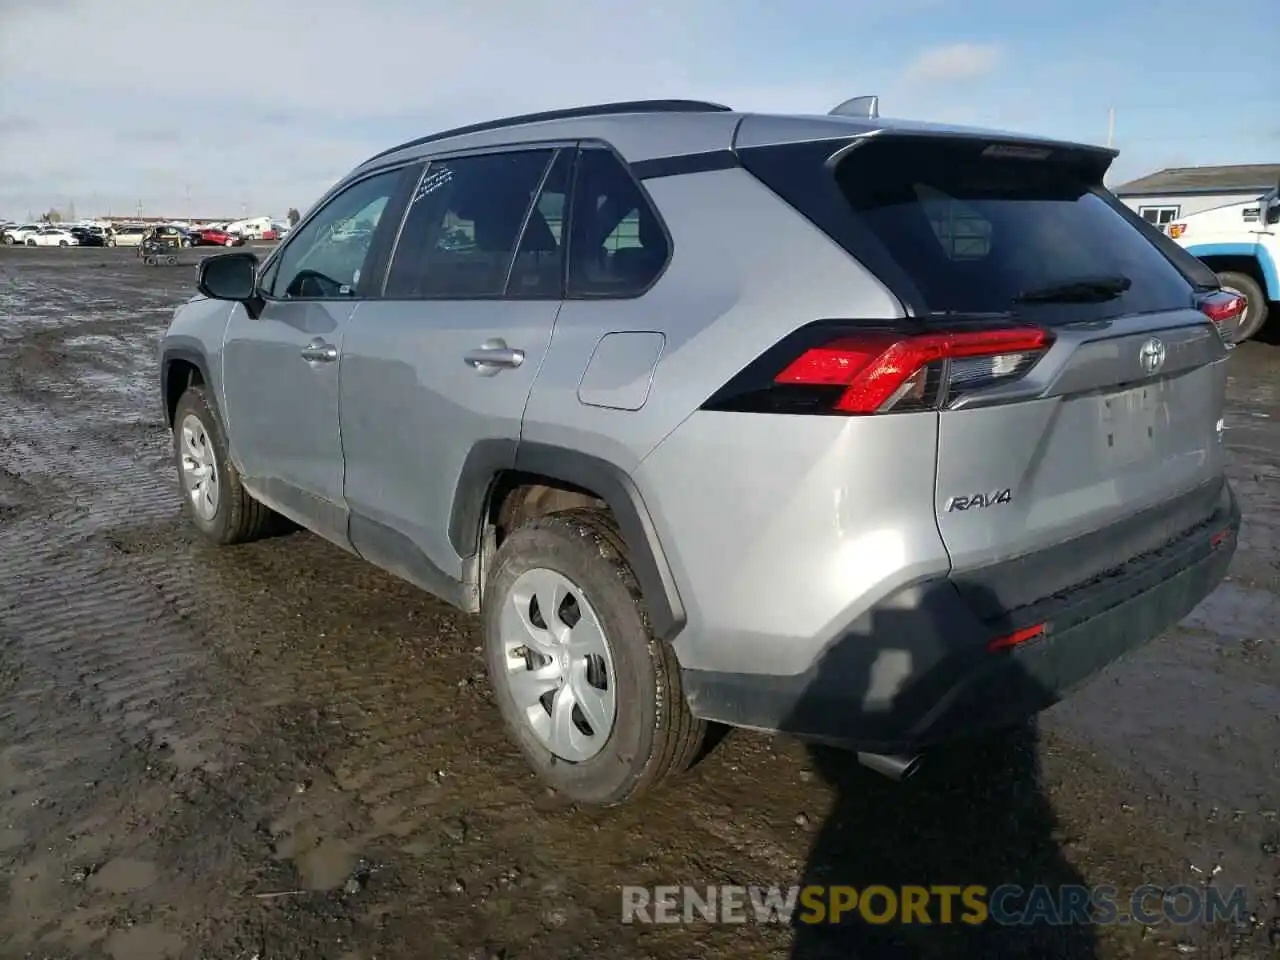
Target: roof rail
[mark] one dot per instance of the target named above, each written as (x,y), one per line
(865,108)
(570,113)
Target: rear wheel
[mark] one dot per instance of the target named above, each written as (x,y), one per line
(1255,314)
(31,243)
(592,699)
(212,496)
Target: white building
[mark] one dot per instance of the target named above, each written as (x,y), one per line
(1163,197)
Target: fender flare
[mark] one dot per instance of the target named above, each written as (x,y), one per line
(489,459)
(1254,251)
(194,357)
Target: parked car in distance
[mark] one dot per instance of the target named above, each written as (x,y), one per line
(52,237)
(18,234)
(963,452)
(86,237)
(212,237)
(130,236)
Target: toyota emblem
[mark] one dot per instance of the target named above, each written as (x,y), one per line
(1151,356)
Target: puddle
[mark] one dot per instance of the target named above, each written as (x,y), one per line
(1235,612)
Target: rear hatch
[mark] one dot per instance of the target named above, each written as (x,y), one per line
(1095,433)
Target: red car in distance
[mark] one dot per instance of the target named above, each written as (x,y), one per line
(211,237)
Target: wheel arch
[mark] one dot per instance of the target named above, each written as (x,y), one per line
(180,368)
(1248,258)
(494,469)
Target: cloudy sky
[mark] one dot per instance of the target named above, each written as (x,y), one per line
(215,107)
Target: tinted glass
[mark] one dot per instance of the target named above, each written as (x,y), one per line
(618,246)
(538,269)
(460,233)
(327,256)
(975,233)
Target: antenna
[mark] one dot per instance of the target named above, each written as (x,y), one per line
(867,108)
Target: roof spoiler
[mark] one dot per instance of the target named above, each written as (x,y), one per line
(864,108)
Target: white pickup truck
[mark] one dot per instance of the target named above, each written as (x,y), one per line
(1240,242)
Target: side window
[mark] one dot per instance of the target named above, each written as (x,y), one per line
(617,246)
(538,270)
(325,258)
(459,236)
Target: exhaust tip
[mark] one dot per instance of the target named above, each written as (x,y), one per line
(894,766)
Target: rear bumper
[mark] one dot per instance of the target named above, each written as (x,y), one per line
(917,671)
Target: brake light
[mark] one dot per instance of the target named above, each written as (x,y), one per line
(862,371)
(1226,310)
(1177,229)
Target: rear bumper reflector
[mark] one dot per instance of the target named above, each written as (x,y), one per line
(1018,636)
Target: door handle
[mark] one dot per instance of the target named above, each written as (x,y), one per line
(317,351)
(495,355)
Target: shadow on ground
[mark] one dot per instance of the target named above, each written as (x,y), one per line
(974,814)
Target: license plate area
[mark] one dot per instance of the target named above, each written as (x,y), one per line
(1130,423)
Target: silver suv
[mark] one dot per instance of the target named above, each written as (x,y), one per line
(877,433)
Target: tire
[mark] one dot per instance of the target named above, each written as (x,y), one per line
(171,261)
(63,243)
(237,517)
(653,736)
(31,243)
(1255,315)
(230,242)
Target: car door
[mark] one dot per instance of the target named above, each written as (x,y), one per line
(441,366)
(280,368)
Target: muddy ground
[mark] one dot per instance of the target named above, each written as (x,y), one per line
(275,751)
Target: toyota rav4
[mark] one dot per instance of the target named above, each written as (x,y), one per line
(873,432)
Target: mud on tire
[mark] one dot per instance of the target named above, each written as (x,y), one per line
(654,736)
(239,518)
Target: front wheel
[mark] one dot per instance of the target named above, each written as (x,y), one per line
(230,242)
(31,243)
(213,497)
(590,696)
(63,243)
(1256,307)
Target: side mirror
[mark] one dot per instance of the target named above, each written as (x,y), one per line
(229,276)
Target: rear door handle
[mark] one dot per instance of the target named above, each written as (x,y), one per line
(317,351)
(494,356)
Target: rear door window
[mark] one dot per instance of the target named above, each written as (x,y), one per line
(976,233)
(459,237)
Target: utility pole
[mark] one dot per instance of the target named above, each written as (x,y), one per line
(1111,126)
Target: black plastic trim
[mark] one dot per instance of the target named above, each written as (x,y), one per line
(487,460)
(197,360)
(685,163)
(569,113)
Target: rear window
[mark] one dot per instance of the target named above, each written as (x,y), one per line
(974,233)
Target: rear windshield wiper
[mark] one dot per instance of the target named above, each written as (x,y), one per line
(1082,290)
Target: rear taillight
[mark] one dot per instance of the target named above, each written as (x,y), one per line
(845,370)
(1226,310)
